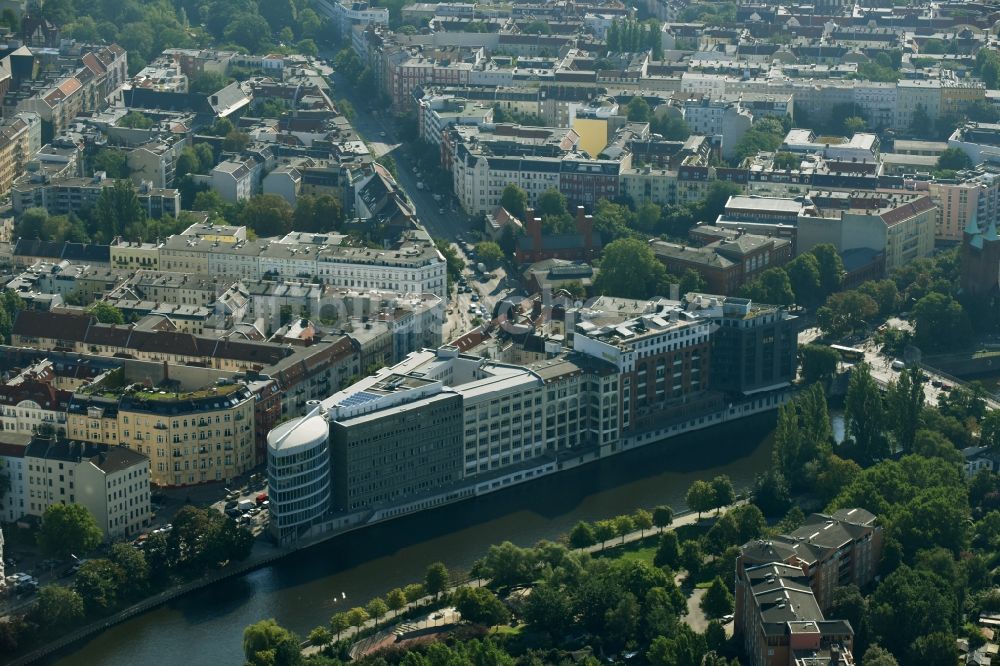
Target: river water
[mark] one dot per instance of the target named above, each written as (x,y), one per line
(305,589)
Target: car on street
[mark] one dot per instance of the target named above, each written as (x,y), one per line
(475,297)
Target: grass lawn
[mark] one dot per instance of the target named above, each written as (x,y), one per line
(507,630)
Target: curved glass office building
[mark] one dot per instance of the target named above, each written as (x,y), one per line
(298,474)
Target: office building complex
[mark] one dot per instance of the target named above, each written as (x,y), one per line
(446,424)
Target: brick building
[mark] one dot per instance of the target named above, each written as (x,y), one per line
(784,584)
(727,262)
(584,245)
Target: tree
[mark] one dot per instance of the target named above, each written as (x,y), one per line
(250,31)
(376,608)
(490,254)
(317,214)
(266,643)
(134,567)
(954,159)
(622,621)
(908,604)
(835,474)
(604,530)
(854,124)
(187,162)
(549,609)
(672,127)
(508,565)
(339,622)
(629,270)
(58,608)
(718,600)
(235,141)
(515,201)
(668,551)
(436,579)
(551,202)
(846,312)
(414,592)
(831,267)
(479,605)
(642,520)
(106,313)
(803,273)
(136,120)
(700,497)
(638,110)
(68,529)
(904,405)
(819,363)
(395,599)
(623,525)
(940,323)
(206,83)
(684,648)
(864,416)
(722,491)
(582,535)
(878,656)
(112,162)
(357,617)
(267,214)
(989,429)
(663,516)
(97,582)
(770,492)
(715,636)
(772,286)
(691,557)
(117,210)
(320,636)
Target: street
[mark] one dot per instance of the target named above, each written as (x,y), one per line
(444,219)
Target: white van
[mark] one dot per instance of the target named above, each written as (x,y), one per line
(898,365)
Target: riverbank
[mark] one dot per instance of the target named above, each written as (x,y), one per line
(303,589)
(682,519)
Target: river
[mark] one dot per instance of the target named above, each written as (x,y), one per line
(305,589)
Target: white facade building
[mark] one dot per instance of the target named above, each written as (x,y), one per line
(112,483)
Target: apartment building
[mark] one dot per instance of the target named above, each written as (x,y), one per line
(30,404)
(83,86)
(413,266)
(134,255)
(110,482)
(20,139)
(782,625)
(62,196)
(969,197)
(346,15)
(484,160)
(190,437)
(13,504)
(785,584)
(831,551)
(902,226)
